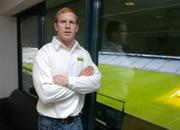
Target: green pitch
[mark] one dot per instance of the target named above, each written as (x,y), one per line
(146,93)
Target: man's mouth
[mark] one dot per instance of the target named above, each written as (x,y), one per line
(67,33)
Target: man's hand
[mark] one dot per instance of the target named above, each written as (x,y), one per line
(87,71)
(61,80)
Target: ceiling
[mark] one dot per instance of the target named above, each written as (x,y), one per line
(12,7)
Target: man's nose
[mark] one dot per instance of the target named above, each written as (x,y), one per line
(67,24)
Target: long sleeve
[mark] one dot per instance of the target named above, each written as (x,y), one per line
(55,59)
(47,91)
(86,84)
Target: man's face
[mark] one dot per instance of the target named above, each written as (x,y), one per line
(123,32)
(66,27)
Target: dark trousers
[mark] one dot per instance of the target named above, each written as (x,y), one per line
(47,123)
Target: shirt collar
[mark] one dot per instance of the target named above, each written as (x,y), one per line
(57,44)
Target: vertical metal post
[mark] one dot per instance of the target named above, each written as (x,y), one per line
(96,30)
(19,52)
(92,41)
(41,25)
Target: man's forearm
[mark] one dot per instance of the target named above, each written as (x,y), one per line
(64,81)
(61,80)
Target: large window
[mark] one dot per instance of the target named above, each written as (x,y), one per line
(30,38)
(140,64)
(139,58)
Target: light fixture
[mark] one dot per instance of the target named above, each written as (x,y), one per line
(130,3)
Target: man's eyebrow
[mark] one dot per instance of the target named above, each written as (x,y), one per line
(62,20)
(71,21)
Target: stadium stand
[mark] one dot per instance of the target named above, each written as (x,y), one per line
(147,62)
(156,64)
(142,62)
(178,71)
(171,66)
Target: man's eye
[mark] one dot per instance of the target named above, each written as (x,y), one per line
(72,22)
(62,21)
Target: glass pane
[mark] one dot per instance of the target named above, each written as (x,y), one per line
(29,39)
(140,64)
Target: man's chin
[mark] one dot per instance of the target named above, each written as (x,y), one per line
(68,40)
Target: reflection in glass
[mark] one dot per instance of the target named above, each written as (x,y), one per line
(140,62)
(29,38)
(116,36)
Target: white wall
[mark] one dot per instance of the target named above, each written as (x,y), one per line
(8,55)
(12,7)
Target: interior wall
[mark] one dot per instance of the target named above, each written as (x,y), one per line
(8,56)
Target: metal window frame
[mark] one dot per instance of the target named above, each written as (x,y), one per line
(38,10)
(93,11)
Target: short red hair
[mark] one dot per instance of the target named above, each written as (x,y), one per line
(65,10)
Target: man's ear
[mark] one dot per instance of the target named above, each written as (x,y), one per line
(77,27)
(55,26)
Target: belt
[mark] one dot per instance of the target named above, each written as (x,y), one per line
(67,120)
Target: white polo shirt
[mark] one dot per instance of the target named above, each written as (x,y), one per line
(59,101)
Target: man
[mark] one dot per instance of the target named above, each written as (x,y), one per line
(116,34)
(63,73)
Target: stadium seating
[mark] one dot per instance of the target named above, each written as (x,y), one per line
(154,63)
